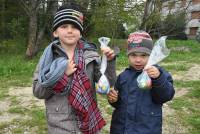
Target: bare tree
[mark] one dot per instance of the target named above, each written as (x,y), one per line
(151,7)
(153,21)
(32,8)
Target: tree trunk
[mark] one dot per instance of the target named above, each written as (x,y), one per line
(147,11)
(36,34)
(51,9)
(32,48)
(3,19)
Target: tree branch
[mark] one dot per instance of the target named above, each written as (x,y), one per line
(26,7)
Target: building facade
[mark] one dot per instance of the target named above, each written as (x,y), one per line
(192,8)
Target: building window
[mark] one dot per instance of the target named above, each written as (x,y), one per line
(183,3)
(196,15)
(194,2)
(193,30)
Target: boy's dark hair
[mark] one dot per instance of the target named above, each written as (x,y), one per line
(69,14)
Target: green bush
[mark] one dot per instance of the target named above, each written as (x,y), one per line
(18,28)
(173,25)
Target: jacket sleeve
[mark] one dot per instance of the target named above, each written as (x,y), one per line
(44,93)
(111,68)
(162,88)
(39,91)
(111,72)
(116,87)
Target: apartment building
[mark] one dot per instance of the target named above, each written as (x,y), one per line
(192,8)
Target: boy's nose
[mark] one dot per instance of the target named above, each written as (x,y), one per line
(138,58)
(69,29)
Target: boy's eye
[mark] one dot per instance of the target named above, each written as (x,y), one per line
(63,26)
(68,26)
(72,26)
(143,55)
(139,54)
(132,54)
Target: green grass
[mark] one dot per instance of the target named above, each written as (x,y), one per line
(188,106)
(176,67)
(191,55)
(15,70)
(37,121)
(179,104)
(15,65)
(17,110)
(3,94)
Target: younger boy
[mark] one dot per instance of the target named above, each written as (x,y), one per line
(139,111)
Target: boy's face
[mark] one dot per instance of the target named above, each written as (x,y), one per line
(138,60)
(67,34)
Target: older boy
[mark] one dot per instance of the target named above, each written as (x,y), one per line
(66,75)
(139,111)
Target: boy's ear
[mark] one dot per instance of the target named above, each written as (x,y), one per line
(55,34)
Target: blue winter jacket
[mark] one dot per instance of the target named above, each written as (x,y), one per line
(140,111)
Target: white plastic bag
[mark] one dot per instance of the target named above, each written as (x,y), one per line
(144,81)
(103,85)
(159,52)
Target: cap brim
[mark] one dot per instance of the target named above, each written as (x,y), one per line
(139,50)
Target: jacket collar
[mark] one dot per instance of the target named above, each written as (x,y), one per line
(132,68)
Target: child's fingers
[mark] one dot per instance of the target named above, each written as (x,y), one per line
(71,61)
(153,72)
(71,68)
(111,99)
(72,64)
(109,53)
(74,69)
(107,50)
(113,95)
(110,94)
(114,92)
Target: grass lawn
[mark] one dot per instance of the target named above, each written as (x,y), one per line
(18,116)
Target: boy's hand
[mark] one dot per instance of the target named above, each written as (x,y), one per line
(152,71)
(112,96)
(108,52)
(70,68)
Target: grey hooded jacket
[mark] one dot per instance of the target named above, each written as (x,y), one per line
(60,116)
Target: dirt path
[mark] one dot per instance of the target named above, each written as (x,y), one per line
(21,97)
(25,98)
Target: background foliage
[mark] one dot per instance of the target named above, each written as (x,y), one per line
(31,20)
